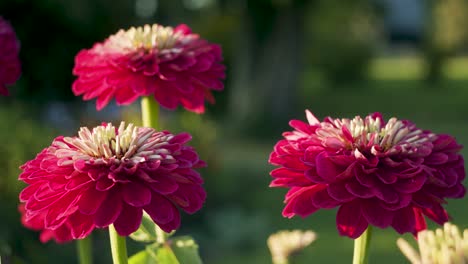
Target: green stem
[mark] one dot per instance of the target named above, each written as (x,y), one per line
(150,118)
(161,236)
(361,247)
(149,112)
(118,247)
(84,250)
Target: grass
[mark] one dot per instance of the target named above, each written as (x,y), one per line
(412,68)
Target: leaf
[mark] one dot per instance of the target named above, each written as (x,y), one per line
(186,250)
(147,230)
(162,254)
(142,257)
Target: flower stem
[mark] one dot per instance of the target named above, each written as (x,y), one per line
(150,118)
(361,247)
(84,250)
(149,112)
(118,247)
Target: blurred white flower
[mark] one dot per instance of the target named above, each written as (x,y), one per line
(284,243)
(442,246)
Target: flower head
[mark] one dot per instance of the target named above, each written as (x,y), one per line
(377,172)
(174,65)
(109,176)
(442,246)
(10,68)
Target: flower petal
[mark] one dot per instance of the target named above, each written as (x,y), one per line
(108,211)
(136,194)
(375,214)
(350,221)
(129,220)
(161,210)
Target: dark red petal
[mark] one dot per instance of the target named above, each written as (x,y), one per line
(420,221)
(375,214)
(136,194)
(47,235)
(91,200)
(410,185)
(326,168)
(29,191)
(129,220)
(81,225)
(322,199)
(59,210)
(299,201)
(387,177)
(171,225)
(164,185)
(77,182)
(61,234)
(404,220)
(436,158)
(436,214)
(104,184)
(404,200)
(385,193)
(313,176)
(300,126)
(161,210)
(189,197)
(356,189)
(286,173)
(108,211)
(350,221)
(339,192)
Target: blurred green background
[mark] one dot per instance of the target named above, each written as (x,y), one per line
(404,58)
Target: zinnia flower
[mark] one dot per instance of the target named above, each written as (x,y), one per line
(10,68)
(442,246)
(110,176)
(378,173)
(173,64)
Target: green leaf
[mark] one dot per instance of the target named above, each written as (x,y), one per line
(162,254)
(147,230)
(142,257)
(186,250)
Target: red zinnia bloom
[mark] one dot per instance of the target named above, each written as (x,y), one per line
(10,68)
(110,176)
(378,173)
(173,64)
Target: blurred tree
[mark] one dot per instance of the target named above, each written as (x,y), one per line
(51,33)
(269,44)
(341,38)
(446,34)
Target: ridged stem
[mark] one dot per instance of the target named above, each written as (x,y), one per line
(150,112)
(83,247)
(150,118)
(118,247)
(361,247)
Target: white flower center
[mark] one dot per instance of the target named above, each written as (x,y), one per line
(147,37)
(370,132)
(105,144)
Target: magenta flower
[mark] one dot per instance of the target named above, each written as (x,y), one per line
(110,176)
(10,68)
(378,173)
(172,64)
